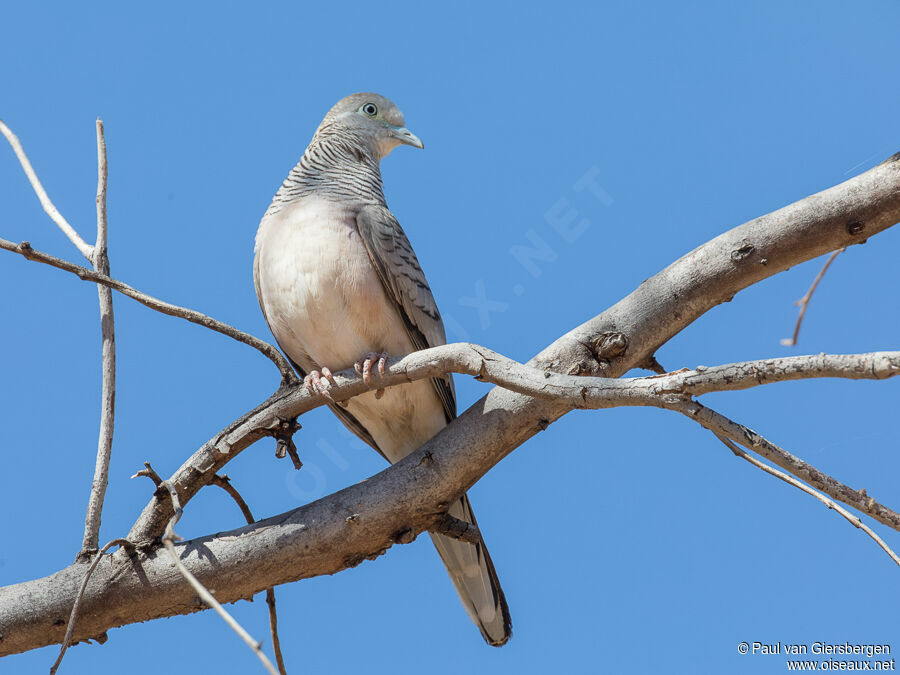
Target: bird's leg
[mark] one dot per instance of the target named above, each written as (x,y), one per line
(363,367)
(320,382)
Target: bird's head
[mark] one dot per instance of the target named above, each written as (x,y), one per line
(375,117)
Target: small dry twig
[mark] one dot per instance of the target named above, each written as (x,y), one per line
(224,482)
(790,480)
(168,541)
(86,250)
(70,629)
(97,255)
(803,302)
(24,249)
(148,472)
(723,426)
(100,259)
(730,432)
(284,435)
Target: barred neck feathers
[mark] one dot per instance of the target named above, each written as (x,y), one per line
(338,165)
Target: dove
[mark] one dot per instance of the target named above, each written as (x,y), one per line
(340,286)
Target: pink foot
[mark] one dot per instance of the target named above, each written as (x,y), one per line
(363,367)
(319,383)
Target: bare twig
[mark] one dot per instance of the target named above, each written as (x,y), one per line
(207,597)
(790,480)
(98,257)
(287,373)
(86,250)
(70,629)
(102,176)
(722,426)
(284,437)
(148,472)
(100,260)
(273,629)
(225,483)
(803,302)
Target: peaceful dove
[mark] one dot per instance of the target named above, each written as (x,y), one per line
(339,285)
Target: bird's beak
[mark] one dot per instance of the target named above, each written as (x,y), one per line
(407,137)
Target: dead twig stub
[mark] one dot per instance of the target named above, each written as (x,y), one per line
(803,303)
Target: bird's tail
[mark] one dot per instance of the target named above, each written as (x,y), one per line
(475,579)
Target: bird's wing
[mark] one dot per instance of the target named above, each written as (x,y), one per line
(404,283)
(349,420)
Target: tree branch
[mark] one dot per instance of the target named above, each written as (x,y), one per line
(24,249)
(201,590)
(86,250)
(489,366)
(853,520)
(100,260)
(722,426)
(803,303)
(225,483)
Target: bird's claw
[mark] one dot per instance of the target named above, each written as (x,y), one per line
(320,382)
(363,368)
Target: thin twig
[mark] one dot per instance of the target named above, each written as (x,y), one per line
(273,629)
(98,257)
(70,629)
(148,472)
(287,373)
(722,426)
(108,361)
(200,589)
(225,483)
(284,436)
(790,480)
(100,247)
(803,302)
(51,210)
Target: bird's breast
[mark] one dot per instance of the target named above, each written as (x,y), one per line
(319,290)
(326,306)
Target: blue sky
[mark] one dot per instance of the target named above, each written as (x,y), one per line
(626,540)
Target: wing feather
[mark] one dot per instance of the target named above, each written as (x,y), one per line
(404,282)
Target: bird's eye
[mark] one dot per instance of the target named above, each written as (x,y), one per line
(370,109)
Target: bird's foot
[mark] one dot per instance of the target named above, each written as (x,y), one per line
(319,383)
(364,366)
